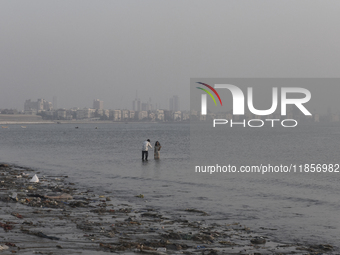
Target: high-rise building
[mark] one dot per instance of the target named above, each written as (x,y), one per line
(97,104)
(136,105)
(174,104)
(55,102)
(38,106)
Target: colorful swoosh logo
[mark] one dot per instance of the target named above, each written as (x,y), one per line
(208,92)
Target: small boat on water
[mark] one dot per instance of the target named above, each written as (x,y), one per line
(4,126)
(23,126)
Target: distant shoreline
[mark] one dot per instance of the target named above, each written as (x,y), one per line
(84,122)
(22,119)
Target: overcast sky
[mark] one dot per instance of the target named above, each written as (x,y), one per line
(79,50)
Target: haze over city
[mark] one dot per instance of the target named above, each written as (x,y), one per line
(78,50)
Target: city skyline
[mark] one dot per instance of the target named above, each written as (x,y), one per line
(43,104)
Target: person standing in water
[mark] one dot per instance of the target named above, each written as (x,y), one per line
(157,149)
(145,149)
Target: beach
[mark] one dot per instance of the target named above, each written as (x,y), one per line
(55,216)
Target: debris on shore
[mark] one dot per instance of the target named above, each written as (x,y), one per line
(51,215)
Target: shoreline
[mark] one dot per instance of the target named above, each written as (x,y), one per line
(55,215)
(87,122)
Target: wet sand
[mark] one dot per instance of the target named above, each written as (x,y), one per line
(55,216)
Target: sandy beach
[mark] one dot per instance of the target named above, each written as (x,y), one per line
(54,216)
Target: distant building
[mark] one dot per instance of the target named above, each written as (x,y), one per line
(174,104)
(125,114)
(31,107)
(160,115)
(61,114)
(185,116)
(142,115)
(9,111)
(116,115)
(177,116)
(55,102)
(85,113)
(101,113)
(131,114)
(136,105)
(97,104)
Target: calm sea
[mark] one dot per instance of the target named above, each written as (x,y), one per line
(107,158)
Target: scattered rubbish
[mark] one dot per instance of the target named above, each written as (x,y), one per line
(10,244)
(197,211)
(200,247)
(62,196)
(227,243)
(17,215)
(40,234)
(258,240)
(14,196)
(120,228)
(34,178)
(6,226)
(3,247)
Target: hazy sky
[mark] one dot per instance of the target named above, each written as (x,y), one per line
(80,50)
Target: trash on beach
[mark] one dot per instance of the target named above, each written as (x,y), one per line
(14,196)
(19,216)
(6,227)
(200,247)
(42,235)
(62,196)
(258,240)
(34,178)
(161,249)
(3,247)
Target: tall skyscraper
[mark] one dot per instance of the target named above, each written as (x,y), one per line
(174,104)
(55,103)
(171,104)
(136,104)
(97,104)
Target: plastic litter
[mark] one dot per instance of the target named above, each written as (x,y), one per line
(62,196)
(3,247)
(161,249)
(34,178)
(200,247)
(14,196)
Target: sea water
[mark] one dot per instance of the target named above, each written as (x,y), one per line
(107,158)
